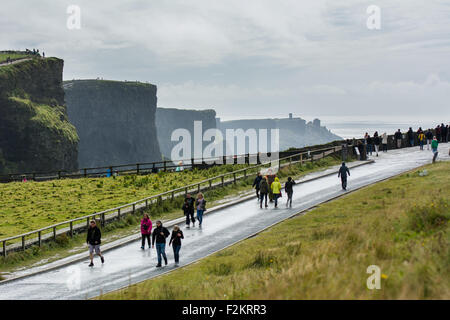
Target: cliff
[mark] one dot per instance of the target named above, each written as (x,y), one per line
(168,120)
(115,121)
(35,134)
(294,132)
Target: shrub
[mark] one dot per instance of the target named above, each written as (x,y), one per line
(430,216)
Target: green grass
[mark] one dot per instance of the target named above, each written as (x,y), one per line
(12,56)
(400,225)
(52,117)
(59,193)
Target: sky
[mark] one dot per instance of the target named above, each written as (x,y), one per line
(254,58)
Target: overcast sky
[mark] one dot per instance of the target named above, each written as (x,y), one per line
(254,58)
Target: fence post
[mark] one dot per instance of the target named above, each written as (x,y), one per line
(146,203)
(234,178)
(198,188)
(23,242)
(87,222)
(137,169)
(118,214)
(210,184)
(34,176)
(103,219)
(222,182)
(4,249)
(173,195)
(71,229)
(54,233)
(134,207)
(59,174)
(301,159)
(85,172)
(39,238)
(165,165)
(185,191)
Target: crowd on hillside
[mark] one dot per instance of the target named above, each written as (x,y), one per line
(430,138)
(34,52)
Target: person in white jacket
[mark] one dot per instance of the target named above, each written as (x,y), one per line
(384,140)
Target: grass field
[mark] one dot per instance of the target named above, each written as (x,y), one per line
(400,225)
(33,205)
(12,56)
(65,246)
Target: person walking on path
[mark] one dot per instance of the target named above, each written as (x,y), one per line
(434,148)
(256,184)
(398,138)
(369,145)
(444,132)
(288,187)
(437,132)
(421,138)
(175,239)
(384,141)
(188,209)
(410,135)
(146,230)
(263,191)
(276,190)
(343,171)
(200,204)
(94,236)
(376,142)
(159,236)
(429,136)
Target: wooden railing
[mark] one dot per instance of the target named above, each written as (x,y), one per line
(72,226)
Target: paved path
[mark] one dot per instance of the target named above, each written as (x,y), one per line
(14,62)
(129,264)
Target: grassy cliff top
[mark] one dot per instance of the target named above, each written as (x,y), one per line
(105,83)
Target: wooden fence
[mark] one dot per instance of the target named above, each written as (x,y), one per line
(70,227)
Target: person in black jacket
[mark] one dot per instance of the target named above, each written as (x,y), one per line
(429,136)
(343,170)
(256,183)
(175,239)
(289,190)
(93,240)
(369,145)
(410,134)
(188,209)
(376,142)
(160,234)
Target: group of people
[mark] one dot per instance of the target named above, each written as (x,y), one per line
(272,190)
(441,134)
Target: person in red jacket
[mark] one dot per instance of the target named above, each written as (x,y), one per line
(146,230)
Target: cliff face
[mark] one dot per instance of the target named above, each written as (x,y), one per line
(115,121)
(35,134)
(168,120)
(293,132)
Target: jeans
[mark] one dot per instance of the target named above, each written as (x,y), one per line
(276,196)
(289,197)
(257,193)
(145,236)
(176,253)
(262,196)
(369,149)
(161,251)
(411,142)
(189,217)
(200,216)
(421,144)
(384,147)
(344,182)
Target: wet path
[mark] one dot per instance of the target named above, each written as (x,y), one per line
(129,264)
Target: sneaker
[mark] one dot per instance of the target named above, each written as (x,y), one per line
(142,248)
(103,259)
(91,264)
(200,226)
(266,205)
(158,266)
(165,261)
